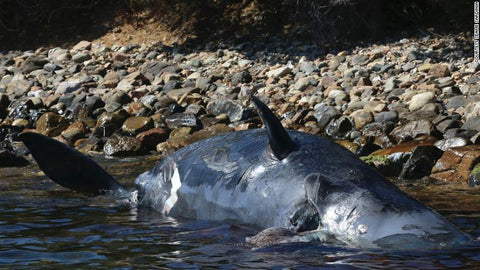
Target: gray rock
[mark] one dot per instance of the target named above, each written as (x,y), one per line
(183,120)
(241,77)
(235,111)
(413,129)
(456,102)
(18,86)
(81,57)
(444,82)
(472,123)
(279,72)
(446,144)
(325,113)
(359,59)
(33,63)
(307,67)
(68,86)
(388,116)
(339,128)
(152,70)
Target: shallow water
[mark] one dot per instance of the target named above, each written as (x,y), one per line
(43,225)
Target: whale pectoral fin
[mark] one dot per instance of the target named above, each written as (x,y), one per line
(271,236)
(276,236)
(306,218)
(70,168)
(279,142)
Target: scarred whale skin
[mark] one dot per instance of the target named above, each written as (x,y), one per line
(282,181)
(234,177)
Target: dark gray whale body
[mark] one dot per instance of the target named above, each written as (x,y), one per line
(303,183)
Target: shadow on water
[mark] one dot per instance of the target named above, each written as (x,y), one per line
(44,225)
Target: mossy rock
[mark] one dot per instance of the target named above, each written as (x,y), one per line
(474,179)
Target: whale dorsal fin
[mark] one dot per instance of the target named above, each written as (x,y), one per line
(279,141)
(70,168)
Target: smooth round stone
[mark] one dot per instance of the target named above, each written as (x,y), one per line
(137,124)
(419,100)
(51,124)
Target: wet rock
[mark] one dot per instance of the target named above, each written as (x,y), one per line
(152,137)
(4,102)
(108,123)
(9,159)
(183,138)
(366,149)
(451,142)
(383,165)
(183,120)
(134,125)
(123,146)
(180,133)
(51,124)
(456,163)
(340,127)
(420,162)
(235,111)
(413,129)
(350,146)
(474,179)
(75,131)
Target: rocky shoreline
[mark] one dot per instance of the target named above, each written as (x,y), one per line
(410,108)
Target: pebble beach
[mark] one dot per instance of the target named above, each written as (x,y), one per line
(409,107)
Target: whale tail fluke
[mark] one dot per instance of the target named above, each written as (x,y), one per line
(70,168)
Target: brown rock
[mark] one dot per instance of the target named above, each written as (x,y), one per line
(136,124)
(352,147)
(123,146)
(152,137)
(51,124)
(74,132)
(176,94)
(111,79)
(178,141)
(439,70)
(413,129)
(82,45)
(361,118)
(456,163)
(405,147)
(118,56)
